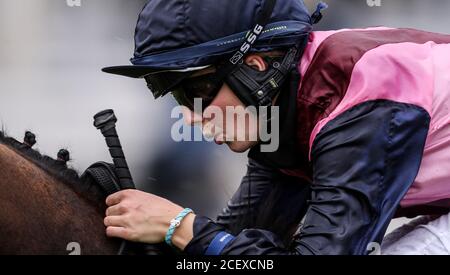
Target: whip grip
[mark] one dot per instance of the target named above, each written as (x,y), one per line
(105,121)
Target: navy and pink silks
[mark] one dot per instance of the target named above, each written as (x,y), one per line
(371,137)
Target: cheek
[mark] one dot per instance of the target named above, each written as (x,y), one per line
(225,98)
(242,131)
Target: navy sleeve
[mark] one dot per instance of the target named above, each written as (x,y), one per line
(254,188)
(262,198)
(364,162)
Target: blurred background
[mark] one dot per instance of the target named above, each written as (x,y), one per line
(50,83)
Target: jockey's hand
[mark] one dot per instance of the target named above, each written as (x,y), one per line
(142,217)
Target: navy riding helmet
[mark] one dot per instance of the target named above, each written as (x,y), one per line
(179,36)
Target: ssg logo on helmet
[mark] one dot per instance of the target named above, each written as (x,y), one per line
(251,39)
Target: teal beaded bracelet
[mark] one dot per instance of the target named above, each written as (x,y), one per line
(176,223)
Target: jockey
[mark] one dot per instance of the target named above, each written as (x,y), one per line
(364,134)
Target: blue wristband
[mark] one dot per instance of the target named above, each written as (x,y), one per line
(176,223)
(218,243)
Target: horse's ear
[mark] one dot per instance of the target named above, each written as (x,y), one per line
(29,139)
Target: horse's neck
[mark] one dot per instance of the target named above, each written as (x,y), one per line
(40,215)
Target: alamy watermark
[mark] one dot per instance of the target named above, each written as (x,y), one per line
(233,124)
(374,3)
(73,3)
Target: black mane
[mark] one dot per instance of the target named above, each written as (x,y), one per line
(85,187)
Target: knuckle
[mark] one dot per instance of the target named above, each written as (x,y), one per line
(123,204)
(123,208)
(109,231)
(126,234)
(108,211)
(131,235)
(128,219)
(127,193)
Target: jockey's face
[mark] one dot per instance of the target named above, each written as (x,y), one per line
(245,133)
(216,126)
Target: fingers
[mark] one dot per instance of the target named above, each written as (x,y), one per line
(117,227)
(118,232)
(115,198)
(115,221)
(116,210)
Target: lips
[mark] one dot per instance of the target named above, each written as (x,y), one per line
(219,139)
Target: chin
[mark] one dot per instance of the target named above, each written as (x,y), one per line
(240,146)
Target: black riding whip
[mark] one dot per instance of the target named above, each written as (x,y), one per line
(106,122)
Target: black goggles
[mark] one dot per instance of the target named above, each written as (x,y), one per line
(163,83)
(186,88)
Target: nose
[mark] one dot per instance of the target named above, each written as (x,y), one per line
(191,118)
